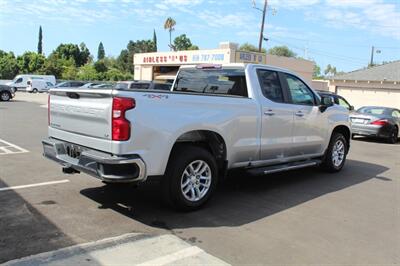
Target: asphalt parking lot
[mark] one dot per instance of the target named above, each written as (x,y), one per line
(298,217)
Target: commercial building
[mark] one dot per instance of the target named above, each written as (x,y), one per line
(164,65)
(379,85)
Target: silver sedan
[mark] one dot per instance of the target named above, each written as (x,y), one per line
(376,121)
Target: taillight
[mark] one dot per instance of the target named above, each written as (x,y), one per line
(121,127)
(380,122)
(48,110)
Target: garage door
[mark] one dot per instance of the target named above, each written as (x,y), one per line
(361,97)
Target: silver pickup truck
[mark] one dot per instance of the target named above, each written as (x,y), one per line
(215,118)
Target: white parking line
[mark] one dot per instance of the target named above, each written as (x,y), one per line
(9,148)
(35,185)
(171,258)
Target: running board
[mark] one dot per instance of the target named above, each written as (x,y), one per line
(283,167)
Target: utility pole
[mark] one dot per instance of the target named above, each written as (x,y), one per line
(372,56)
(262,26)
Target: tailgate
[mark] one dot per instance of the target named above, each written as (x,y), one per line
(81,116)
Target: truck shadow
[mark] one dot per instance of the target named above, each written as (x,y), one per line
(240,200)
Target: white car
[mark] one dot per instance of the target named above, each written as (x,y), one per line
(38,85)
(21,81)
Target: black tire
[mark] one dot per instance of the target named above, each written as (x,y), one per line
(328,162)
(35,91)
(392,139)
(5,96)
(181,158)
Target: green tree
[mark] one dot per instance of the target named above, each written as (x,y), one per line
(100,66)
(125,59)
(282,51)
(31,62)
(40,45)
(182,43)
(317,72)
(87,72)
(8,65)
(330,70)
(80,54)
(193,47)
(116,74)
(250,48)
(155,40)
(100,52)
(169,25)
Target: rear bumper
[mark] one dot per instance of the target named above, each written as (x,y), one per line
(107,167)
(371,130)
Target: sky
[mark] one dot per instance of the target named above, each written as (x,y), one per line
(336,32)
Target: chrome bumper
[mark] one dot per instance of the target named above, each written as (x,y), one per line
(104,166)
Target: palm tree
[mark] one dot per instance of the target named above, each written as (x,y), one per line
(169,25)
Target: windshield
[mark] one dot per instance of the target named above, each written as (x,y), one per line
(373,110)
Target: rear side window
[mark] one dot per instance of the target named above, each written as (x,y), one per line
(270,85)
(212,81)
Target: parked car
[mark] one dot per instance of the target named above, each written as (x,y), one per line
(217,117)
(89,85)
(135,84)
(337,99)
(21,81)
(103,86)
(38,85)
(70,84)
(6,93)
(376,121)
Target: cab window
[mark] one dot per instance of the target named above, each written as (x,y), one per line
(270,85)
(18,80)
(215,81)
(299,91)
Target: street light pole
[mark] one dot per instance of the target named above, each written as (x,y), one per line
(372,56)
(262,27)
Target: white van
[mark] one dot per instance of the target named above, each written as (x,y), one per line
(38,85)
(21,81)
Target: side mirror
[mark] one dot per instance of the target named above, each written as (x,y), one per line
(351,108)
(326,101)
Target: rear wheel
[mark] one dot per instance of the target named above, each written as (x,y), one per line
(335,156)
(35,90)
(190,179)
(393,135)
(5,96)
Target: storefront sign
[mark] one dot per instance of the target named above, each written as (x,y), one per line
(188,57)
(246,57)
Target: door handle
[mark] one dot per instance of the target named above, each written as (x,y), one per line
(299,113)
(269,112)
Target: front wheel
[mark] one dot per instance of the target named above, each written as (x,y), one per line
(35,90)
(336,153)
(5,96)
(190,179)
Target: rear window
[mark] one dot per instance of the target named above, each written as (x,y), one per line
(212,81)
(373,110)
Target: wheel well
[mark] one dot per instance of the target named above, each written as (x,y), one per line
(345,131)
(209,140)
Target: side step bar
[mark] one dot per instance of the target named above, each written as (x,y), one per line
(283,167)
